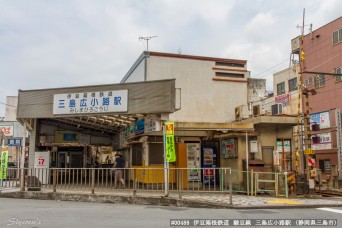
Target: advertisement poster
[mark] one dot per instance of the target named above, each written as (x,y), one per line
(322,118)
(287,146)
(275,158)
(3,163)
(324,142)
(229,148)
(194,161)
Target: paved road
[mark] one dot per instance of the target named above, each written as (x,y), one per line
(40,213)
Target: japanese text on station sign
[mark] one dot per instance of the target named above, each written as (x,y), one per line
(90,102)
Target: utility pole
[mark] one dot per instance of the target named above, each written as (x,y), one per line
(147,38)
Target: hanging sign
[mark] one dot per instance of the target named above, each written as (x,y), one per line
(3,163)
(7,129)
(170,141)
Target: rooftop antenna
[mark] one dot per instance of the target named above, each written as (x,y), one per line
(147,38)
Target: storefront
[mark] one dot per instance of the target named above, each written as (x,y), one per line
(81,126)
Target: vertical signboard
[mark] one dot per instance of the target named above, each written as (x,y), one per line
(42,163)
(170,142)
(3,162)
(194,161)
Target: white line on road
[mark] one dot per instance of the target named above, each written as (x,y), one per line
(330,209)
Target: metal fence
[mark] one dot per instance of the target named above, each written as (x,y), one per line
(180,180)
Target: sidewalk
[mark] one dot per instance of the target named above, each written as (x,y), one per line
(188,199)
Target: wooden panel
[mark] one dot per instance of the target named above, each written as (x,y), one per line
(181,162)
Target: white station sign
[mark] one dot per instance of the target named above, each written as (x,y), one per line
(90,102)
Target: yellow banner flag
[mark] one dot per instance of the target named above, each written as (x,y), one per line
(170,141)
(3,162)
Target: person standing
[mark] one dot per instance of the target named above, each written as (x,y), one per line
(119,164)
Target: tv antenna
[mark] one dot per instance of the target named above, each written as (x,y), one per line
(147,38)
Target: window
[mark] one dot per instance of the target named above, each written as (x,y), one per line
(337,36)
(319,80)
(338,71)
(307,81)
(226,64)
(324,165)
(229,75)
(281,88)
(137,154)
(293,84)
(156,153)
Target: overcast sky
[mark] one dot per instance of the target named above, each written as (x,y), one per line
(46,43)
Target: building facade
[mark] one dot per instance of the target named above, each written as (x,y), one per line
(323,60)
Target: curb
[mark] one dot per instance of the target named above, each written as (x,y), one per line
(146,200)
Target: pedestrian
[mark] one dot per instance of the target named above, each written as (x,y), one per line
(119,164)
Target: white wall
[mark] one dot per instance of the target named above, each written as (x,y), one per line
(284,76)
(138,74)
(202,98)
(11,108)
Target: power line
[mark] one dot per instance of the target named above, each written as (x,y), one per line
(8,104)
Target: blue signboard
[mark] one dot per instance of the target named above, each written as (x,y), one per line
(14,142)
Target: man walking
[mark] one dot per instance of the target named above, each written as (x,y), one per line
(119,164)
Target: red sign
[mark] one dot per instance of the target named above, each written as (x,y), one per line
(311,161)
(209,172)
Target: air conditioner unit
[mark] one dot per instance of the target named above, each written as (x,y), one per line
(241,112)
(256,110)
(277,109)
(295,45)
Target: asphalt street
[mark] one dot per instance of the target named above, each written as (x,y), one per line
(44,213)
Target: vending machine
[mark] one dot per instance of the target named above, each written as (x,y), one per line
(209,163)
(194,162)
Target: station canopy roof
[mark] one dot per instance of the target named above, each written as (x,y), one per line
(101,108)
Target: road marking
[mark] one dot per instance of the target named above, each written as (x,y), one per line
(282,201)
(330,209)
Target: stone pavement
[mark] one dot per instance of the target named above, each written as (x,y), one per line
(187,199)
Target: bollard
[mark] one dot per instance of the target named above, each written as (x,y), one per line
(93,181)
(180,183)
(134,183)
(54,179)
(230,188)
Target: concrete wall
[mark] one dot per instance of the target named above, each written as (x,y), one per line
(203,99)
(322,56)
(138,74)
(291,108)
(11,108)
